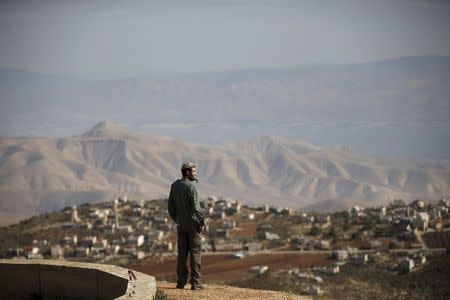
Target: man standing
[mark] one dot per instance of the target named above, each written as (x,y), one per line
(184,209)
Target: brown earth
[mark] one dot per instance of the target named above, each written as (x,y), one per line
(247,229)
(7,218)
(439,239)
(220,268)
(222,292)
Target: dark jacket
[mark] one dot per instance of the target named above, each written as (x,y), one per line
(184,207)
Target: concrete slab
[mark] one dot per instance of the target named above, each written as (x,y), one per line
(57,279)
(110,286)
(19,281)
(68,282)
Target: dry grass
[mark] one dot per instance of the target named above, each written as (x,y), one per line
(245,230)
(222,292)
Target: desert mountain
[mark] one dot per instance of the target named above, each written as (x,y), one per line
(41,174)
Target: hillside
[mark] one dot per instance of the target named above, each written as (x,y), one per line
(41,174)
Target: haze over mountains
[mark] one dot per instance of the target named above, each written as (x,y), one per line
(40,174)
(397,108)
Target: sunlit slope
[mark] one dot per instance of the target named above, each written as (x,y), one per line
(39,174)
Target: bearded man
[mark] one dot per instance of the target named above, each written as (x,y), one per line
(184,209)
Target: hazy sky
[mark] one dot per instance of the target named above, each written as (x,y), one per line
(146,39)
(123,38)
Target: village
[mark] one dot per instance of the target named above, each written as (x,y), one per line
(393,236)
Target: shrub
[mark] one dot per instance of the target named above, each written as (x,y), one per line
(160,295)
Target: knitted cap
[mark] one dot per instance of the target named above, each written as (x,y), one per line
(187,165)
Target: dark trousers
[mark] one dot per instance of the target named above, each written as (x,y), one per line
(189,242)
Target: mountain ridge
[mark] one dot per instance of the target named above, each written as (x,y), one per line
(44,174)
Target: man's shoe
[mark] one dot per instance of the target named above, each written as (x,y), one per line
(180,286)
(197,287)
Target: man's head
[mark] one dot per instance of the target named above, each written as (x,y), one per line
(189,171)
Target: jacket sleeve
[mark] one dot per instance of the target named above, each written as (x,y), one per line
(171,207)
(198,214)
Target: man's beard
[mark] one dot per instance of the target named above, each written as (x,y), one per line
(191,178)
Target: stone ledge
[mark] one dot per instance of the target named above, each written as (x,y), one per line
(52,279)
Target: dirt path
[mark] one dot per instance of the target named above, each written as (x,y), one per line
(223,292)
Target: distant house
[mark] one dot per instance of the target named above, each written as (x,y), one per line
(57,251)
(222,233)
(359,259)
(421,221)
(129,250)
(398,203)
(140,255)
(262,229)
(68,225)
(229,224)
(258,269)
(70,240)
(419,260)
(444,203)
(88,241)
(322,219)
(123,199)
(313,290)
(377,245)
(82,251)
(404,224)
(334,269)
(328,270)
(406,265)
(85,226)
(230,211)
(158,235)
(252,247)
(216,215)
(74,215)
(305,218)
(418,204)
(125,229)
(136,240)
(109,228)
(355,212)
(271,236)
(249,217)
(101,242)
(298,243)
(94,213)
(286,211)
(340,254)
(30,250)
(323,245)
(228,246)
(112,250)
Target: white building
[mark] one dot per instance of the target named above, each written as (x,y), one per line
(74,216)
(57,251)
(359,259)
(421,221)
(340,254)
(314,290)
